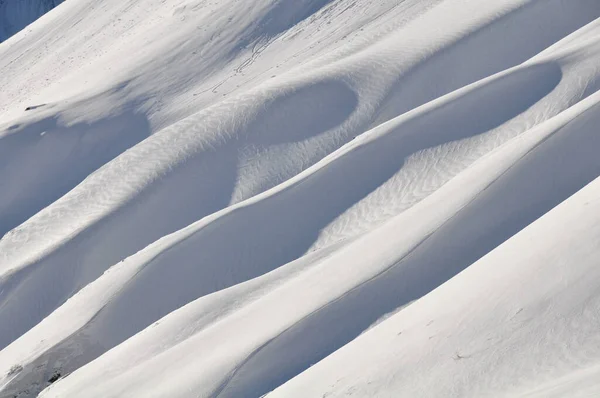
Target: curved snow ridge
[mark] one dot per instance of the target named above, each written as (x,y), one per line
(129,203)
(182,57)
(334,312)
(574,20)
(495,43)
(504,345)
(250,141)
(31,274)
(505,207)
(254,153)
(109,325)
(107,219)
(63,152)
(252,190)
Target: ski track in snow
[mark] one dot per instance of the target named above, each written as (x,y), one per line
(312,198)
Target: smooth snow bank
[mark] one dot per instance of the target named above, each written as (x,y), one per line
(205,199)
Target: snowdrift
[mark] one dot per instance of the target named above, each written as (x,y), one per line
(301,198)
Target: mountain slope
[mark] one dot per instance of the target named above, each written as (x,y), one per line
(253,190)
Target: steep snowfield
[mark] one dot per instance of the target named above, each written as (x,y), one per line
(301,198)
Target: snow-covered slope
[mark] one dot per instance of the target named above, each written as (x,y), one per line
(300,198)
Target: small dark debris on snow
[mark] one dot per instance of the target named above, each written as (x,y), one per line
(30,108)
(14,370)
(54,377)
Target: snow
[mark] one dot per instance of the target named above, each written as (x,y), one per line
(301,198)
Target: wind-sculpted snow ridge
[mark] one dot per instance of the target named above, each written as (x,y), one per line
(301,198)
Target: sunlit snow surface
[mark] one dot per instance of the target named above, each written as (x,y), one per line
(301,198)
